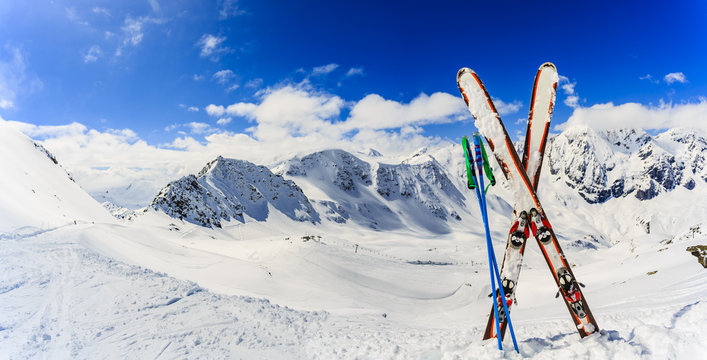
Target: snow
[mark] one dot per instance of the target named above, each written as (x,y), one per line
(159,287)
(30,177)
(487,121)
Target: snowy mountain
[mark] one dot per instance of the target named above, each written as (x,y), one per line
(425,191)
(118,211)
(228,189)
(336,186)
(36,190)
(627,162)
(416,193)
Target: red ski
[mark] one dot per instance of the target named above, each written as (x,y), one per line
(516,172)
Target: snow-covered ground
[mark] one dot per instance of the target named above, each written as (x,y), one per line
(145,291)
(81,284)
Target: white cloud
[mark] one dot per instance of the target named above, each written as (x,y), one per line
(154,5)
(324,69)
(296,110)
(505,108)
(571,99)
(678,77)
(6,104)
(92,54)
(232,87)
(74,17)
(211,46)
(215,110)
(100,11)
(354,71)
(14,78)
(291,111)
(223,76)
(254,83)
(568,87)
(241,109)
(199,128)
(634,115)
(375,112)
(198,77)
(189,108)
(224,121)
(229,8)
(649,78)
(133,31)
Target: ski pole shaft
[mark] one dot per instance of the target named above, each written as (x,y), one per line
(492,256)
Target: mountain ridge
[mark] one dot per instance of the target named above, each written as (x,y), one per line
(425,191)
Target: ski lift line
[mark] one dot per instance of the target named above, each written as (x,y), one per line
(328,241)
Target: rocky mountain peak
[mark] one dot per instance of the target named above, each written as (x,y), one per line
(618,163)
(339,167)
(230,189)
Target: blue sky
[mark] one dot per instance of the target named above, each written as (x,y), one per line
(143,64)
(164,80)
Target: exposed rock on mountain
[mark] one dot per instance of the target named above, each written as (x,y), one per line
(228,189)
(618,163)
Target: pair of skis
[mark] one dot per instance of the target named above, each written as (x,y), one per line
(477,163)
(523,176)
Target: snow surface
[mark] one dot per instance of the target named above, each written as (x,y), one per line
(35,192)
(159,287)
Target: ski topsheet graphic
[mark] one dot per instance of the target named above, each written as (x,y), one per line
(542,102)
(529,211)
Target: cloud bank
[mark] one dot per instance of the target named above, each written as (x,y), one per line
(634,115)
(285,121)
(299,110)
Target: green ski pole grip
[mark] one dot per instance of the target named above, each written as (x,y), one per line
(487,164)
(470,174)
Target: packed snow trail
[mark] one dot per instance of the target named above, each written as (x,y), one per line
(61,300)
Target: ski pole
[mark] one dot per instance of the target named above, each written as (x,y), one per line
(489,249)
(482,163)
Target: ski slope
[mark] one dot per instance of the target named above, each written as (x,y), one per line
(115,291)
(36,190)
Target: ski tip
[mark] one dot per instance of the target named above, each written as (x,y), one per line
(464,70)
(548,64)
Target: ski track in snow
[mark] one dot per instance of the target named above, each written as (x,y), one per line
(59,299)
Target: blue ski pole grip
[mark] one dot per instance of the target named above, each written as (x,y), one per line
(479,157)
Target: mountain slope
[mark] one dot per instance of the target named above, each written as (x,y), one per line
(627,162)
(416,193)
(426,191)
(36,190)
(228,189)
